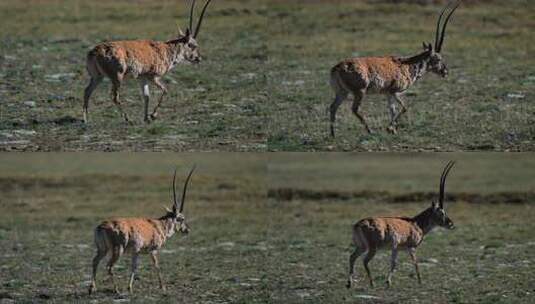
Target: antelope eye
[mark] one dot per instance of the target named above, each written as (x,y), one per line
(191,46)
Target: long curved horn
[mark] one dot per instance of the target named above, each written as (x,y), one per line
(443,182)
(443,34)
(174,193)
(200,19)
(185,188)
(437,33)
(191,15)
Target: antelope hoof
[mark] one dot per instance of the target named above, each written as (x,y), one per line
(92,289)
(392,130)
(147,120)
(127,119)
(153,116)
(351,280)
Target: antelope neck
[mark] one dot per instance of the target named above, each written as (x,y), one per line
(417,70)
(168,225)
(173,50)
(423,220)
(417,65)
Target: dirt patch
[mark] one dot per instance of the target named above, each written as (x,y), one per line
(288,194)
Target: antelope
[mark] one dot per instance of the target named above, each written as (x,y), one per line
(138,235)
(146,60)
(389,75)
(371,234)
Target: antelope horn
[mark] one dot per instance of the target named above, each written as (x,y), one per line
(174,193)
(185,188)
(437,33)
(191,16)
(200,19)
(438,48)
(443,182)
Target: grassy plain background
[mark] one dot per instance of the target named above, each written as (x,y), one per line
(485,104)
(264,83)
(218,105)
(246,247)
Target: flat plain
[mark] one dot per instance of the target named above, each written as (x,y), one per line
(268,228)
(264,82)
(485,104)
(316,198)
(216,105)
(50,206)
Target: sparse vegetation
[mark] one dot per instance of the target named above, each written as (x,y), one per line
(486,259)
(264,83)
(50,205)
(218,105)
(247,248)
(485,104)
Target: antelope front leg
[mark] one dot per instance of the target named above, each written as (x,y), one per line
(393,259)
(154,257)
(412,253)
(135,257)
(146,96)
(394,120)
(160,85)
(392,109)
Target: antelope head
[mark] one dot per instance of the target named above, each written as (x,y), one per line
(176,212)
(435,61)
(188,48)
(437,212)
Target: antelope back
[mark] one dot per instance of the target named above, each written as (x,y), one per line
(132,233)
(373,74)
(379,232)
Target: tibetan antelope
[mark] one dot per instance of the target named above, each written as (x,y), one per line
(390,75)
(146,60)
(138,235)
(374,233)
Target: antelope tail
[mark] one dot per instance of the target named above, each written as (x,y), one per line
(102,240)
(358,237)
(337,83)
(94,68)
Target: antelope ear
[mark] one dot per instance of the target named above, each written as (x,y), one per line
(188,33)
(427,46)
